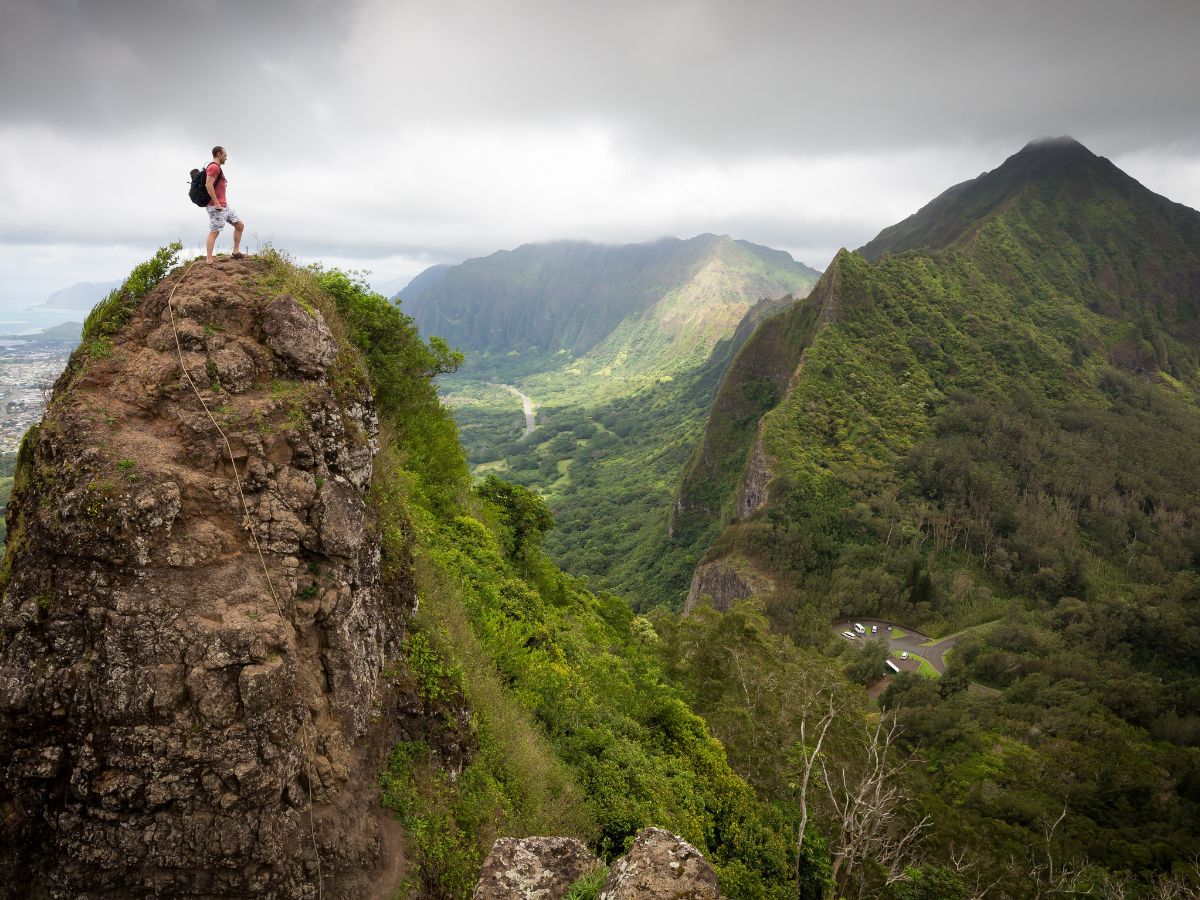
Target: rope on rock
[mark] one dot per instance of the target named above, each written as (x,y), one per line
(247,524)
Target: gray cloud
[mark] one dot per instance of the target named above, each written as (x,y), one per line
(400,133)
(126,65)
(708,75)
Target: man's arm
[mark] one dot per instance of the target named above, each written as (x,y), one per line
(210,183)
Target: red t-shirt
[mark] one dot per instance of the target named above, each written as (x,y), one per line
(214,171)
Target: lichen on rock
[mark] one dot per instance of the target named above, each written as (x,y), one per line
(533,868)
(661,866)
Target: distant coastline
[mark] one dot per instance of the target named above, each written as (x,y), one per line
(61,333)
(31,320)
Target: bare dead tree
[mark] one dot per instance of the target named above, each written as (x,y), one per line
(751,705)
(963,863)
(1181,884)
(867,809)
(808,751)
(1117,887)
(1049,876)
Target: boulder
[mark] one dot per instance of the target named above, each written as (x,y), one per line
(234,366)
(533,868)
(661,866)
(299,336)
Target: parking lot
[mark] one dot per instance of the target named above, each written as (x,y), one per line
(901,639)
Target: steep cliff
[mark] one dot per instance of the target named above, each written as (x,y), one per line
(715,481)
(181,714)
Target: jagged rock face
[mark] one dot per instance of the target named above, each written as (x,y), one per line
(166,710)
(661,866)
(752,494)
(534,868)
(722,583)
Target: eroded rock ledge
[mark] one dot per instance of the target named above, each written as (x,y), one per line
(659,866)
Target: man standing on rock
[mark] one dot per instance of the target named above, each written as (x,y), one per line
(218,210)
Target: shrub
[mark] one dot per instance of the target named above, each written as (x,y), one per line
(107,317)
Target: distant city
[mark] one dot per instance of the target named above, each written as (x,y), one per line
(35,343)
(28,370)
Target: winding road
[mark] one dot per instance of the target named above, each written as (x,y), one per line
(527,404)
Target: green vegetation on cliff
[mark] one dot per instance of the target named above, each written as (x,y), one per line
(8,465)
(569,726)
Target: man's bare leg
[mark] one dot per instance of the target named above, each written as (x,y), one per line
(238,227)
(212,242)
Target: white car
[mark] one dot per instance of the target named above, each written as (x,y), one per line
(858,627)
(849,635)
(874,629)
(904,655)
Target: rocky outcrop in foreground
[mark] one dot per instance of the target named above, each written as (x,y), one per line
(168,727)
(659,866)
(533,868)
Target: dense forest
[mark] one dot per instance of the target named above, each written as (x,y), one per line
(609,473)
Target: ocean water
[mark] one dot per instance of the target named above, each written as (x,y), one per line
(28,319)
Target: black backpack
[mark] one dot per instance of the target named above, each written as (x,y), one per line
(198,192)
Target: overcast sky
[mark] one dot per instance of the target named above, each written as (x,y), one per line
(391,135)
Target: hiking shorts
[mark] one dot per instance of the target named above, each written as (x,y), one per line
(218,217)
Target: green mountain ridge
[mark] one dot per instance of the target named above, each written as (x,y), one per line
(1050,166)
(573,295)
(989,415)
(1136,260)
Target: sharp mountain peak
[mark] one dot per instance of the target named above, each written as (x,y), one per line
(1062,143)
(1049,164)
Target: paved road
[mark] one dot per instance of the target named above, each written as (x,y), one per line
(527,404)
(934,652)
